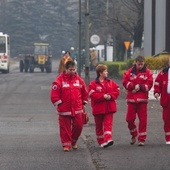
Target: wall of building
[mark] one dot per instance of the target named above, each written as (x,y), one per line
(154,27)
(160,26)
(148,28)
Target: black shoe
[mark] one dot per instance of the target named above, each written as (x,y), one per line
(109,143)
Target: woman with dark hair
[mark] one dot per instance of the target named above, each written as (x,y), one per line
(69,95)
(103,93)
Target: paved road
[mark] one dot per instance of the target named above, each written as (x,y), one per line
(29,136)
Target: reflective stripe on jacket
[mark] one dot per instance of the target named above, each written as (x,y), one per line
(96,93)
(133,77)
(69,94)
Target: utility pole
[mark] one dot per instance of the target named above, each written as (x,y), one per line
(87,69)
(79,52)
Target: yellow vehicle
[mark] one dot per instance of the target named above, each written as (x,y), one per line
(40,59)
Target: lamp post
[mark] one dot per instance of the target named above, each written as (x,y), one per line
(72,52)
(63,52)
(72,48)
(79,51)
(87,76)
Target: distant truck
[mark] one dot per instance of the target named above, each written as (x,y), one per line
(39,59)
(4,52)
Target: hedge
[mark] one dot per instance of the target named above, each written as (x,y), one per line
(116,69)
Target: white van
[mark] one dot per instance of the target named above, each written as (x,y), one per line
(4,52)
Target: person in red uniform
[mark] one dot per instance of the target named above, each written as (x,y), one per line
(69,94)
(162,90)
(103,93)
(137,81)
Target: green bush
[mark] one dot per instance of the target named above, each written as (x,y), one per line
(153,63)
(116,69)
(123,66)
(130,63)
(157,63)
(121,72)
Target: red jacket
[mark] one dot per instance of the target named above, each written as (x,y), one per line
(143,78)
(69,94)
(160,87)
(96,93)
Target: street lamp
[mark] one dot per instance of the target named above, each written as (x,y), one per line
(79,52)
(72,48)
(72,53)
(87,68)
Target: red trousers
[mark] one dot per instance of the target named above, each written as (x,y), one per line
(166,119)
(139,109)
(103,124)
(70,129)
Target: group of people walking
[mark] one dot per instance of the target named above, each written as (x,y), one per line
(69,94)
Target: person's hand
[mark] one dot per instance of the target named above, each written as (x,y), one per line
(156,95)
(107,96)
(84,107)
(133,91)
(137,87)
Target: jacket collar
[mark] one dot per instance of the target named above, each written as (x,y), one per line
(134,70)
(165,70)
(98,81)
(68,75)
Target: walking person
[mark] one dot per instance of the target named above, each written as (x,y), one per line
(69,95)
(137,81)
(162,90)
(103,93)
(66,57)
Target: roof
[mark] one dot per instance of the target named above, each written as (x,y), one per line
(162,53)
(41,44)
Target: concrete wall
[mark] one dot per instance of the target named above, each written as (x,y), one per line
(160,25)
(148,28)
(154,43)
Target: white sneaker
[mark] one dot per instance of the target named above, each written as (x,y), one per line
(168,142)
(141,143)
(109,143)
(103,145)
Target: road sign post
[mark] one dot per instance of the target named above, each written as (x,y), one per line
(95,39)
(127,44)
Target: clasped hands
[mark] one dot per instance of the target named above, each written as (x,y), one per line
(137,88)
(107,96)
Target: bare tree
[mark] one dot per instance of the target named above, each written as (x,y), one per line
(134,21)
(122,19)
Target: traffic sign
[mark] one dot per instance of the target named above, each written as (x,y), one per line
(127,44)
(95,39)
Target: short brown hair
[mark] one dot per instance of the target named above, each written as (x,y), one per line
(140,59)
(70,64)
(100,68)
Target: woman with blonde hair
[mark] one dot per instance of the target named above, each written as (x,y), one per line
(66,57)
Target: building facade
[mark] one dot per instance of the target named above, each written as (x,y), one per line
(156,26)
